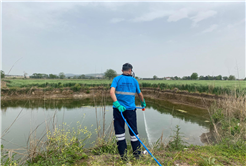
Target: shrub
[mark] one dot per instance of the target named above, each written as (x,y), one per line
(176,143)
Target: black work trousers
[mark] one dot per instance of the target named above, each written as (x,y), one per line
(119,127)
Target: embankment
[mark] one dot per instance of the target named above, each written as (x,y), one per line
(199,100)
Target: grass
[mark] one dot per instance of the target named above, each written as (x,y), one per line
(216,83)
(198,86)
(64,149)
(191,155)
(66,146)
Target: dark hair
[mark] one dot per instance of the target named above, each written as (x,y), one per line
(126,67)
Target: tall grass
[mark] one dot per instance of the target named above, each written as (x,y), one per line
(199,86)
(228,119)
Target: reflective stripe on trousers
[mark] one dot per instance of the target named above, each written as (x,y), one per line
(120,137)
(134,138)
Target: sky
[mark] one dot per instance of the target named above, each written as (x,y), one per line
(157,38)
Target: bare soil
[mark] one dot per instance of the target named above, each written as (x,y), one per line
(177,97)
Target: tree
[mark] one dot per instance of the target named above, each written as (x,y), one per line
(210,77)
(245,79)
(194,76)
(61,75)
(225,78)
(74,77)
(176,78)
(155,77)
(201,78)
(219,77)
(185,77)
(231,77)
(81,76)
(110,73)
(39,75)
(53,76)
(2,74)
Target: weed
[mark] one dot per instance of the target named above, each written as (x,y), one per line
(208,161)
(8,157)
(63,147)
(177,142)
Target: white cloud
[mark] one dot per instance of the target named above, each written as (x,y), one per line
(211,28)
(182,13)
(152,16)
(116,20)
(202,16)
(41,16)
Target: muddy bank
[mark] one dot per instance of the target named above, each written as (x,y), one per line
(174,96)
(199,100)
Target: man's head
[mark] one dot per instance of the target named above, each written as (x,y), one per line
(127,69)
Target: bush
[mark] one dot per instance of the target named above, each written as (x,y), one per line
(176,143)
(63,147)
(76,88)
(228,118)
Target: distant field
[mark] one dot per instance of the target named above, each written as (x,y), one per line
(217,83)
(36,82)
(64,82)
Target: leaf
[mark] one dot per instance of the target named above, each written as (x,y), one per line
(213,160)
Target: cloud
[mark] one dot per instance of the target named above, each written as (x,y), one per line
(202,16)
(152,16)
(116,20)
(211,28)
(182,13)
(31,15)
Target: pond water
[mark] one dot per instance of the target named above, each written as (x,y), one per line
(159,117)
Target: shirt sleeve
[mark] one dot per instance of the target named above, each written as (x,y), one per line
(137,88)
(114,83)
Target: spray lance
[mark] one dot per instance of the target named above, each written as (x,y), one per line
(143,109)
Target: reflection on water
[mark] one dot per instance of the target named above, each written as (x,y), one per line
(161,117)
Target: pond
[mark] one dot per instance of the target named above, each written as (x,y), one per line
(160,117)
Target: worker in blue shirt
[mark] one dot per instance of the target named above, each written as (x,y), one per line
(122,92)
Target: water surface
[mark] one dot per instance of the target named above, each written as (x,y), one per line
(160,117)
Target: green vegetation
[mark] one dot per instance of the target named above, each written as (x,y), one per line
(149,83)
(176,142)
(110,74)
(155,77)
(194,76)
(199,86)
(65,145)
(2,74)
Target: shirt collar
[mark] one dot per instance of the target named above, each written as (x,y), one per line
(126,75)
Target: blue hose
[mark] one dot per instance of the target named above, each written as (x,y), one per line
(139,139)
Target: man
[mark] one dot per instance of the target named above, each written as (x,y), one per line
(122,92)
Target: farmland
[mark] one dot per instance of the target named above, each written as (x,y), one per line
(40,82)
(217,87)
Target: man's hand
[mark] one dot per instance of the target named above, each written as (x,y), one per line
(143,104)
(118,106)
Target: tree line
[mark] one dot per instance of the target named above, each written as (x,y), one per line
(110,74)
(61,75)
(194,76)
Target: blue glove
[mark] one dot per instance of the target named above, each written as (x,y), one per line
(143,104)
(118,106)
